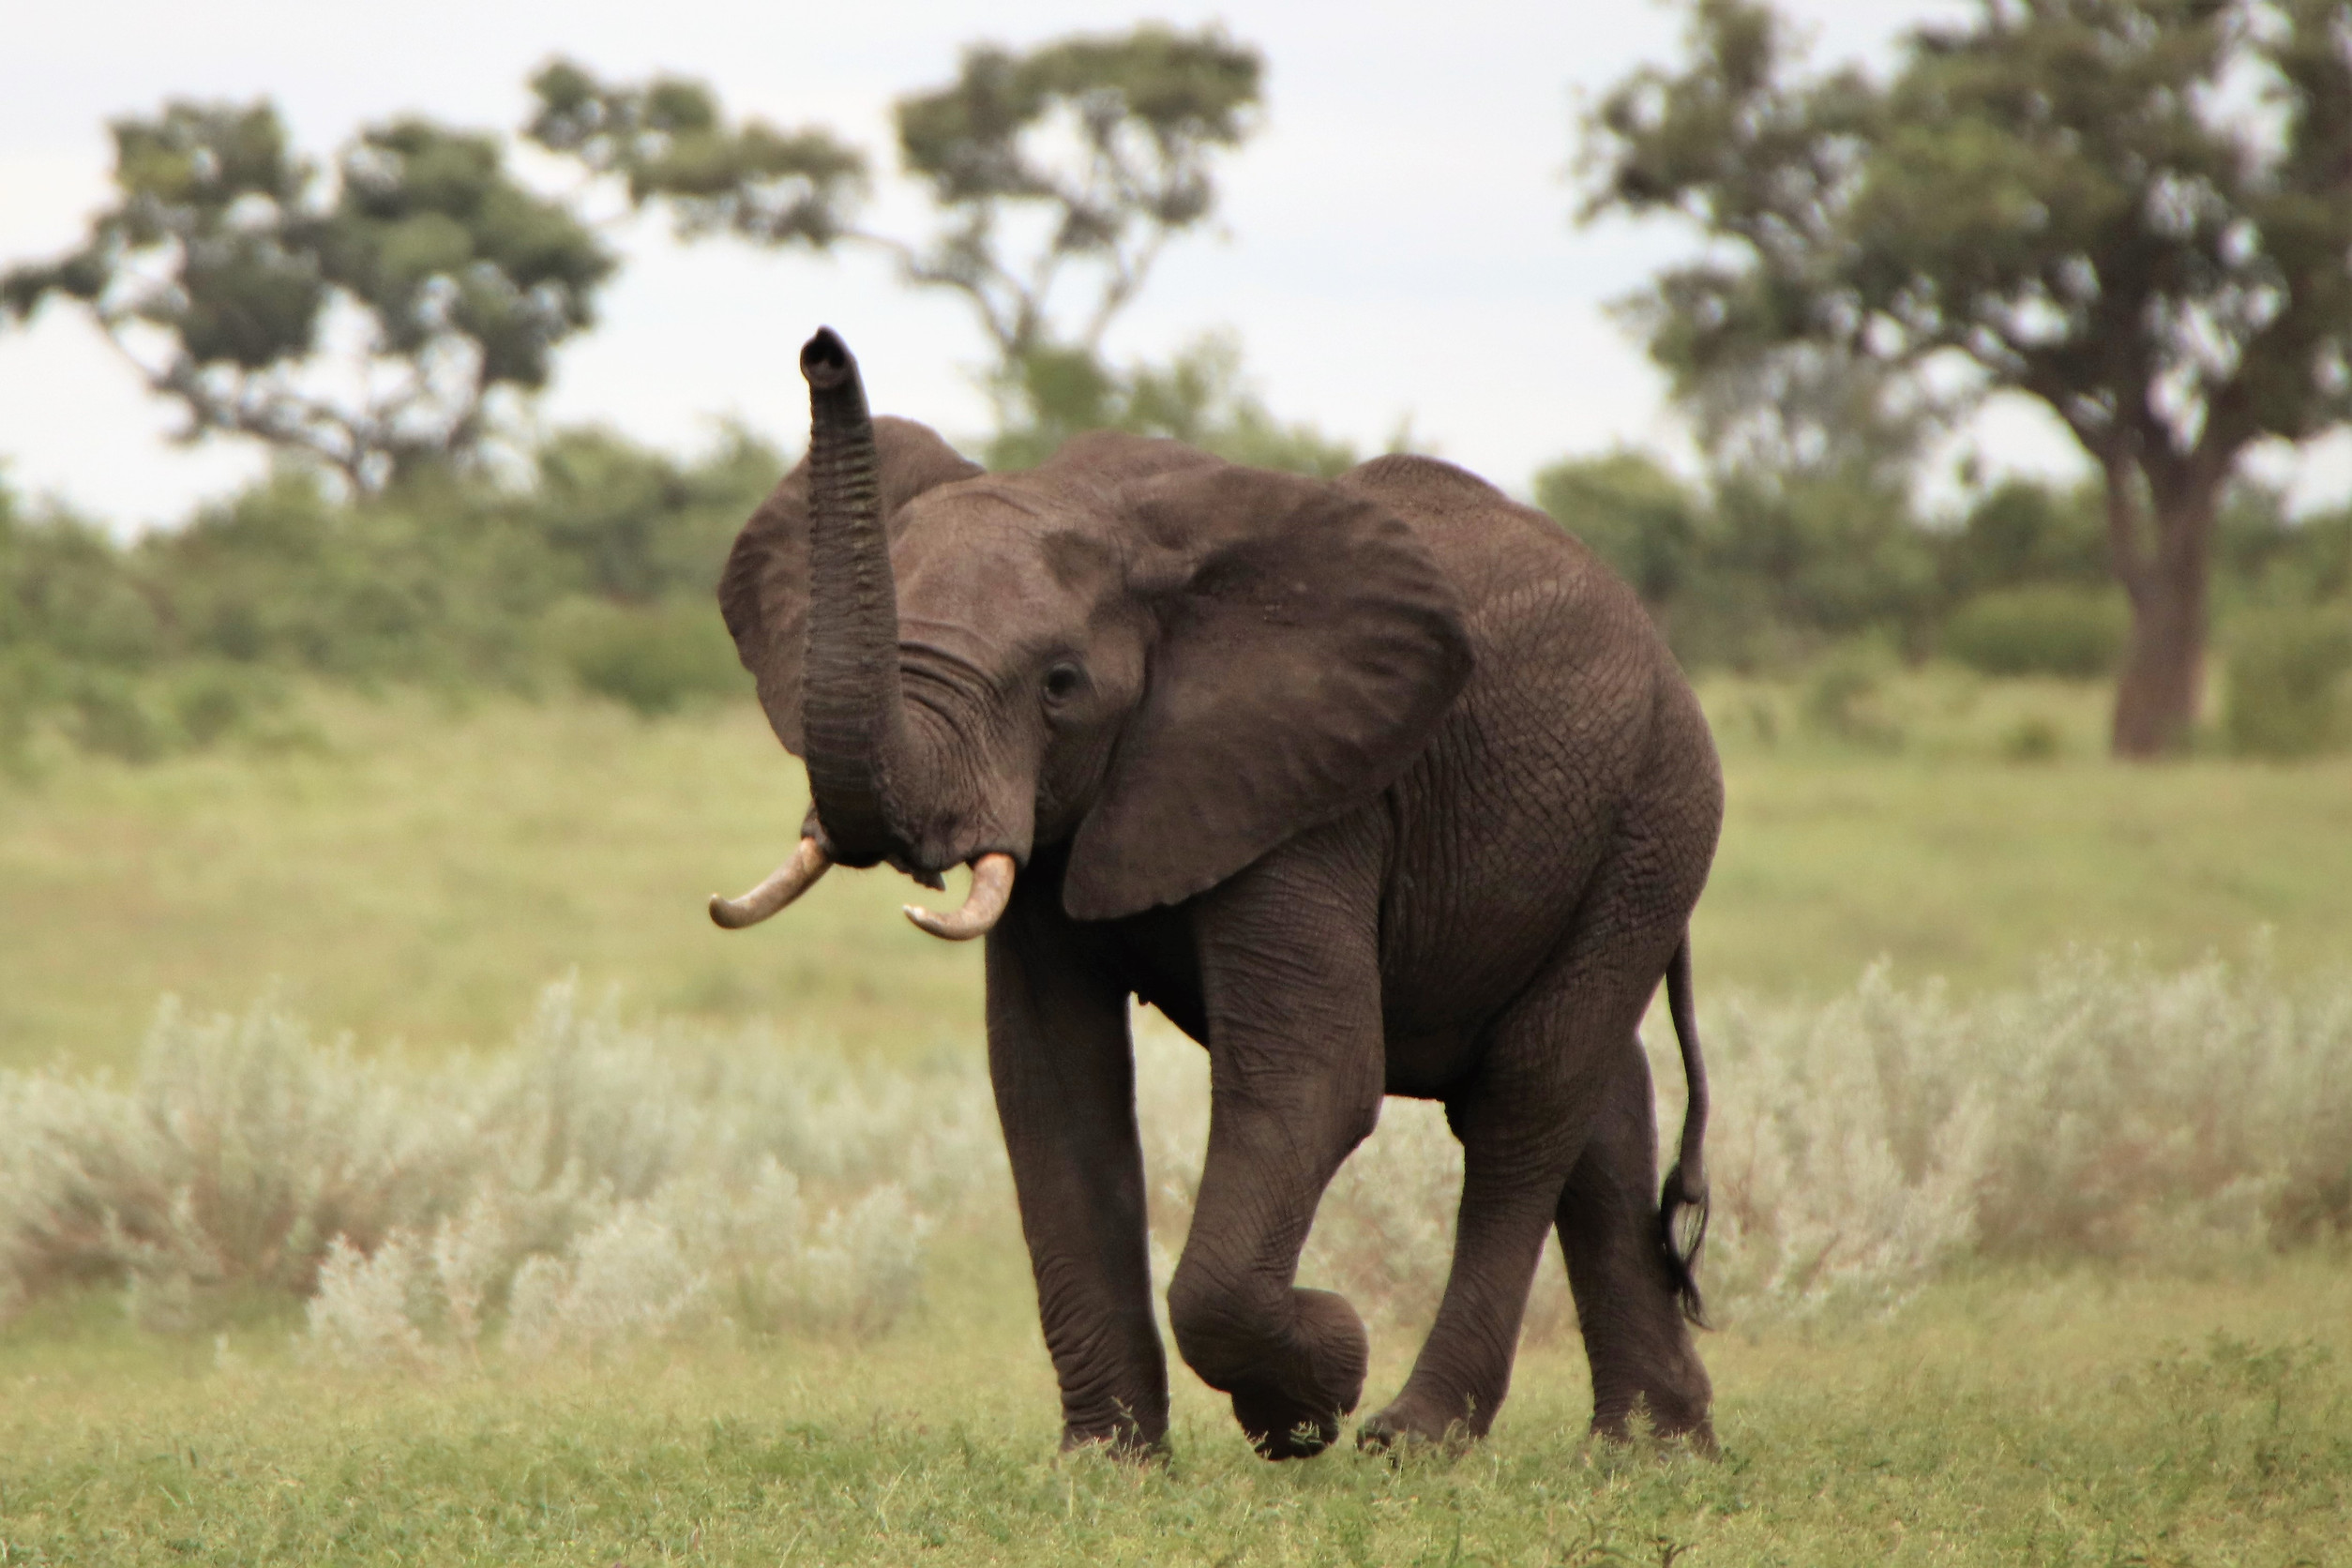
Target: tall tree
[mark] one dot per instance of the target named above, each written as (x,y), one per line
(367,321)
(2138,211)
(1058,176)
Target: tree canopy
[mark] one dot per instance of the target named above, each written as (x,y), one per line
(2136,211)
(365,319)
(1058,176)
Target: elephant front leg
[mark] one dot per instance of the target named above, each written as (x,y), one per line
(1062,1067)
(1296,1077)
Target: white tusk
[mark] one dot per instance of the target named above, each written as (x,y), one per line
(991,889)
(787,881)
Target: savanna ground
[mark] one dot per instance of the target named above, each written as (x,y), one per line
(415,872)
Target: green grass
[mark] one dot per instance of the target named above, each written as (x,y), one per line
(424,872)
(424,869)
(427,869)
(2014,1418)
(1952,856)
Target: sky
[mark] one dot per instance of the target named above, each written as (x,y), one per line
(1396,246)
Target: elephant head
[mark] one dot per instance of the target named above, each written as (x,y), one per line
(1167,663)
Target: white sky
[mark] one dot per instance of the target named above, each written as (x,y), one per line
(1395,243)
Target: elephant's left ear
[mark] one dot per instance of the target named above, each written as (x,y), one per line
(1309,646)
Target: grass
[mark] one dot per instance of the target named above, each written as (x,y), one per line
(421,871)
(2015,1418)
(425,868)
(1953,855)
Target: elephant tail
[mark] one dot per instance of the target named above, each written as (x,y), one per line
(1682,1202)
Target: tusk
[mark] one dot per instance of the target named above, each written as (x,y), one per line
(787,881)
(991,889)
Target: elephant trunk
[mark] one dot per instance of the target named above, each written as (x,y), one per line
(853,712)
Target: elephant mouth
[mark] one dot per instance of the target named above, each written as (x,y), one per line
(992,877)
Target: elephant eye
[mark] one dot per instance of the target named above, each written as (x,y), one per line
(1063,681)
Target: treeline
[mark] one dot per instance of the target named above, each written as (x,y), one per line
(1763,572)
(593,569)
(596,572)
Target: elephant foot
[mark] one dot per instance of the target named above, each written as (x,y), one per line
(1668,1420)
(1408,1422)
(1299,1417)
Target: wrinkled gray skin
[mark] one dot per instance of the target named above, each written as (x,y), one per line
(1379,786)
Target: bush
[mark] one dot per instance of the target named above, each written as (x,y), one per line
(1846,699)
(2040,629)
(655,658)
(580,1185)
(2287,694)
(602,1184)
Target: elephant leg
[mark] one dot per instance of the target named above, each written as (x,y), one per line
(1062,1067)
(1548,1082)
(1634,1336)
(1290,978)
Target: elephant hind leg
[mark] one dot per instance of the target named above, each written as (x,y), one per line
(1628,1305)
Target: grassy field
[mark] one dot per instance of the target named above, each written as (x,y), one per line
(421,870)
(424,869)
(2007,1419)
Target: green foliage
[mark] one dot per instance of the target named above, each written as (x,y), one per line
(600,570)
(633,526)
(2022,532)
(1762,571)
(2072,196)
(2264,557)
(2041,629)
(223,263)
(2290,694)
(1148,110)
(1102,145)
(653,658)
(1200,398)
(2030,185)
(1635,514)
(669,142)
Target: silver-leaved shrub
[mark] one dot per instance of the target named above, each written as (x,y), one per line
(605,1184)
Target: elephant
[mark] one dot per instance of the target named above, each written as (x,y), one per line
(1380,785)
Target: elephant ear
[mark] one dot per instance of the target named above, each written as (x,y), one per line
(763,593)
(1308,648)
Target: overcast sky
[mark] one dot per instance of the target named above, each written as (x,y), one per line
(1395,244)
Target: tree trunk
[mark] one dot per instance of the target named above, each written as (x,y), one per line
(2156,699)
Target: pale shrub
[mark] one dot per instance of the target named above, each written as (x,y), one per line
(239,1153)
(2108,1109)
(242,1156)
(627,1279)
(364,1312)
(607,1183)
(1836,1173)
(1859,1146)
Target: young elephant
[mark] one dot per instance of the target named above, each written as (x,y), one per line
(1379,786)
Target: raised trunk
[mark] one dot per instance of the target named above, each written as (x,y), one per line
(852,715)
(2156,699)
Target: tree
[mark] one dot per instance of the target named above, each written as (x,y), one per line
(1096,150)
(368,326)
(2138,211)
